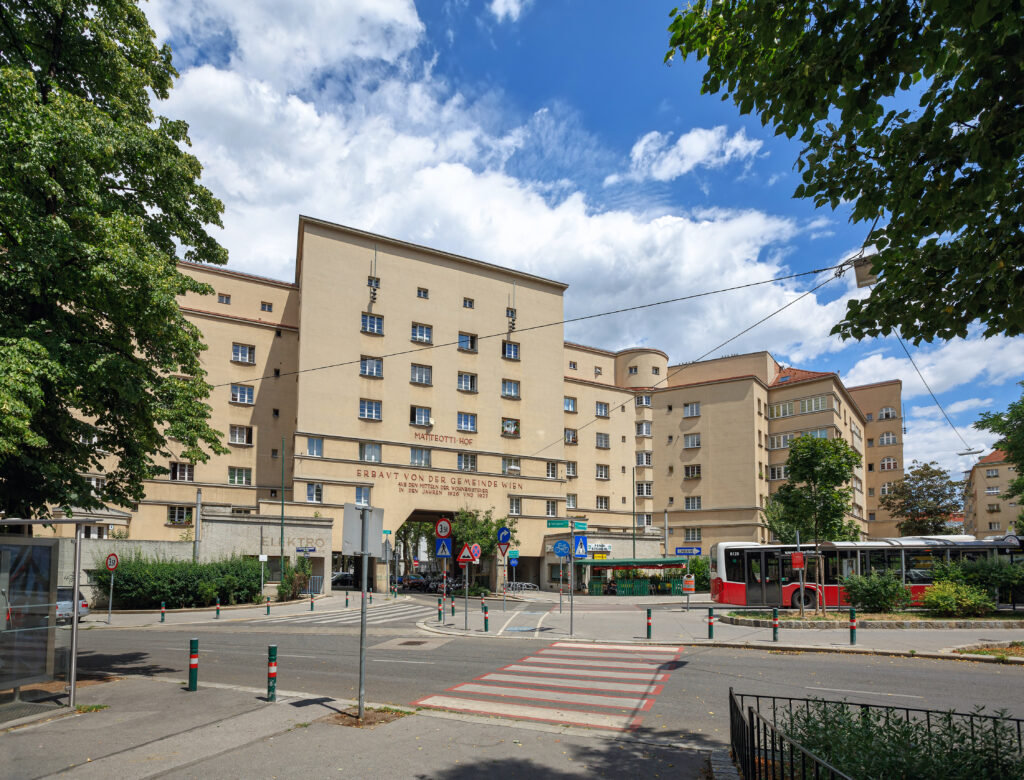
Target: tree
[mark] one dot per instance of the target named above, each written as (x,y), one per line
(1010,427)
(471,527)
(99,370)
(815,499)
(924,499)
(908,111)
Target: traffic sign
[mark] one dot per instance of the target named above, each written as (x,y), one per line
(513,553)
(798,560)
(475,549)
(465,554)
(443,528)
(504,535)
(387,530)
(687,550)
(112,561)
(579,525)
(562,548)
(579,545)
(443,548)
(503,548)
(513,562)
(558,523)
(305,549)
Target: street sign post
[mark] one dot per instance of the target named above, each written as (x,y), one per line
(563,550)
(111,567)
(681,551)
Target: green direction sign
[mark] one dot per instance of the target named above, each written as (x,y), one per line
(513,553)
(579,525)
(387,530)
(558,524)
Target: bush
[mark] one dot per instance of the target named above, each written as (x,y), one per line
(954,599)
(142,582)
(877,592)
(294,579)
(993,576)
(700,568)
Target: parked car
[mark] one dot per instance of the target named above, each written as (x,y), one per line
(343,579)
(414,582)
(65,605)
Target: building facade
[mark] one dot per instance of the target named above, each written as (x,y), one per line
(882,404)
(986,512)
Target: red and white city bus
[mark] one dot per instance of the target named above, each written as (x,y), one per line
(752,574)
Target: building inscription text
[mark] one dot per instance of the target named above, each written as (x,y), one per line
(438,484)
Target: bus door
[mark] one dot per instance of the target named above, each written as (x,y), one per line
(763,571)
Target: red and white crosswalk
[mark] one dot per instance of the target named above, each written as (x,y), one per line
(571,683)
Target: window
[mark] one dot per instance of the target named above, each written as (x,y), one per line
(419,456)
(373,282)
(871,492)
(601,471)
(780,410)
(570,500)
(467,303)
(869,417)
(510,466)
(570,468)
(239,476)
(266,306)
(570,436)
(420,375)
(992,491)
(372,324)
(240,434)
(655,370)
(633,370)
(572,365)
(888,413)
(887,438)
(510,312)
(598,370)
(363,496)
(467,382)
(466,422)
(994,508)
(691,409)
(275,412)
(569,404)
(601,409)
(643,400)
(817,433)
(990,473)
(273,453)
(691,440)
(816,404)
(179,515)
(241,394)
(370,452)
(871,467)
(691,472)
(510,427)
(603,441)
(371,366)
(314,492)
(243,353)
(643,428)
(422,292)
(515,506)
(644,489)
(886,488)
(778,472)
(691,534)
(467,342)
(550,508)
(643,458)
(993,526)
(510,350)
(644,519)
(602,503)
(871,442)
(182,472)
(419,415)
(888,464)
(224,298)
(423,334)
(691,503)
(315,446)
(509,388)
(369,410)
(551,470)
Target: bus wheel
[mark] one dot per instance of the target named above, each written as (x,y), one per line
(810,598)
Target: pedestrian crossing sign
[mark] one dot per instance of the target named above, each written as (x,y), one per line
(579,544)
(444,548)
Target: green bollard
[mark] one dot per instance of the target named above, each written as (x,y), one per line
(268,603)
(711,622)
(217,615)
(346,599)
(193,664)
(163,609)
(453,606)
(853,626)
(648,623)
(440,611)
(486,624)
(310,602)
(271,672)
(371,599)
(775,624)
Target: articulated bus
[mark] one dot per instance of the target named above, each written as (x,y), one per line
(751,574)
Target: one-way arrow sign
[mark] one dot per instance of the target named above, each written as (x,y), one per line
(466,554)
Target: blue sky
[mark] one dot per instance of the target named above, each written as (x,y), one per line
(551,137)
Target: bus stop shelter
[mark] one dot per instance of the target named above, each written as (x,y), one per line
(599,567)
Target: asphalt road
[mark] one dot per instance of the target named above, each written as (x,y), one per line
(405,665)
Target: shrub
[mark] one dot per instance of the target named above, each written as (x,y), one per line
(877,592)
(294,579)
(954,599)
(993,576)
(700,568)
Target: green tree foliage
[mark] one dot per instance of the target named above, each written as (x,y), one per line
(923,500)
(98,201)
(909,111)
(294,579)
(1010,426)
(876,592)
(473,527)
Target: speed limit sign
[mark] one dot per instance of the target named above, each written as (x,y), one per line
(112,561)
(443,528)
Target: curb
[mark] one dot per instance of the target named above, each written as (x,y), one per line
(223,607)
(867,624)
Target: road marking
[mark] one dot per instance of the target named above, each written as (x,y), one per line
(525,712)
(634,648)
(566,682)
(870,693)
(617,663)
(559,697)
(399,661)
(584,672)
(502,629)
(612,658)
(536,634)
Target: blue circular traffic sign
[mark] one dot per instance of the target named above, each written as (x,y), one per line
(504,535)
(562,548)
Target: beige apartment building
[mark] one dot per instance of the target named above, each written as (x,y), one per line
(986,512)
(423,382)
(882,404)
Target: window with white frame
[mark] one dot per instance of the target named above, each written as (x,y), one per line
(314,492)
(887,438)
(510,466)
(266,306)
(422,292)
(466,422)
(601,471)
(991,473)
(179,515)
(224,298)
(570,436)
(97,484)
(238,475)
(633,370)
(372,323)
(510,350)
(816,404)
(515,506)
(420,375)
(570,500)
(182,472)
(419,456)
(373,282)
(888,464)
(572,365)
(569,404)
(315,446)
(570,468)
(509,388)
(691,409)
(780,441)
(993,508)
(643,400)
(510,427)
(644,458)
(691,502)
(993,526)
(550,508)
(655,370)
(242,394)
(240,434)
(467,382)
(369,452)
(644,519)
(467,461)
(243,353)
(468,303)
(422,334)
(692,471)
(601,409)
(888,413)
(551,469)
(857,484)
(419,415)
(602,503)
(691,440)
(992,491)
(363,495)
(784,409)
(644,489)
(691,534)
(371,366)
(467,342)
(778,472)
(643,428)
(817,433)
(369,409)
(602,440)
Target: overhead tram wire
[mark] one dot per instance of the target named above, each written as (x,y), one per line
(426,347)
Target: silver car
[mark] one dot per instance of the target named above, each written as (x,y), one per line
(65,605)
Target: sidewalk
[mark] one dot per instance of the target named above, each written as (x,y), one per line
(152,726)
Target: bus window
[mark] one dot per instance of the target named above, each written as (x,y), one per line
(831,566)
(734,566)
(919,567)
(894,559)
(848,561)
(714,560)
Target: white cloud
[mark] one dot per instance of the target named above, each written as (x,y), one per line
(930,438)
(652,157)
(953,409)
(508,9)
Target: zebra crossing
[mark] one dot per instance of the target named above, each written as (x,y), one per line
(577,684)
(375,615)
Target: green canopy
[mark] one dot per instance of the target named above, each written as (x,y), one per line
(637,563)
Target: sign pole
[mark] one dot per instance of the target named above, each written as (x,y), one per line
(572,569)
(364,515)
(110,600)
(561,578)
(504,584)
(465,581)
(801,577)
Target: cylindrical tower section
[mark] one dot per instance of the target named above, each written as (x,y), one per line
(640,367)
